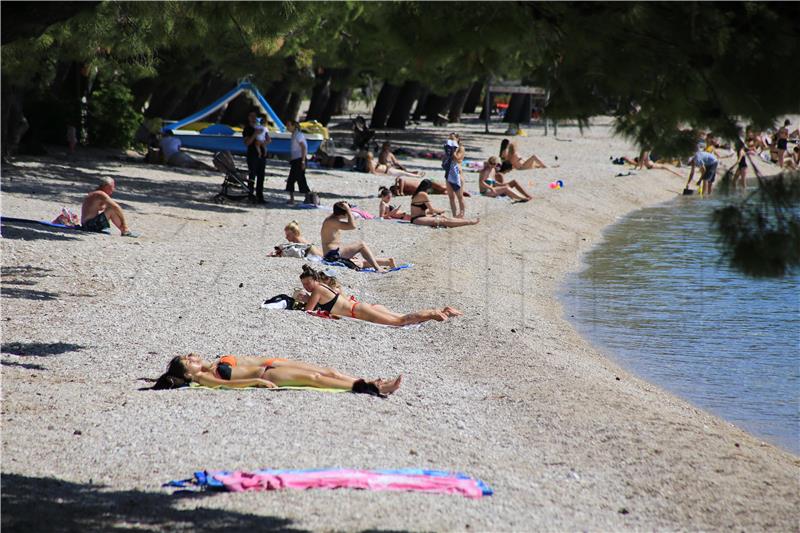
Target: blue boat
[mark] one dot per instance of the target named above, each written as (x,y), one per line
(220,137)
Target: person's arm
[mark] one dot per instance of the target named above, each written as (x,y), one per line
(248,140)
(313,300)
(208,380)
(691,173)
(395,162)
(351,221)
(304,153)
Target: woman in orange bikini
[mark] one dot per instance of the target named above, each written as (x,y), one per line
(324,298)
(245,371)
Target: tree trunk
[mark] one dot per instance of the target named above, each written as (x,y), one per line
(383,106)
(278,97)
(474,97)
(343,101)
(402,107)
(457,104)
(320,94)
(293,106)
(437,105)
(519,109)
(422,101)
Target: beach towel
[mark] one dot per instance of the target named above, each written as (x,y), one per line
(342,264)
(406,480)
(3,220)
(194,386)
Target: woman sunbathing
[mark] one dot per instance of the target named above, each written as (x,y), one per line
(408,186)
(295,237)
(381,169)
(424,214)
(324,298)
(245,371)
(508,152)
(492,184)
(385,209)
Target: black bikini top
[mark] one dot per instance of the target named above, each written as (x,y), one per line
(328,307)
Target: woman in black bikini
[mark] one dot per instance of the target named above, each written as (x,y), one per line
(245,371)
(424,214)
(324,298)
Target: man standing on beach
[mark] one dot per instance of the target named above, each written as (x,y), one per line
(98,208)
(256,161)
(297,160)
(709,162)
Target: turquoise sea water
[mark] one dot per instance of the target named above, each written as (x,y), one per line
(655,296)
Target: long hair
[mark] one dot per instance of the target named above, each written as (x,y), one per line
(424,186)
(503,145)
(174,377)
(383,191)
(309,272)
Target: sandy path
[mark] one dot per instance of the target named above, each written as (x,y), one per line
(509,393)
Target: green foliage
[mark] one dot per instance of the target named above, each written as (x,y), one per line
(112,119)
(759,234)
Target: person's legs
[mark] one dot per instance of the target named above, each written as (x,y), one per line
(252,172)
(115,215)
(444,222)
(349,250)
(506,190)
(460,196)
(261,170)
(515,184)
(287,376)
(290,181)
(532,162)
(377,316)
(451,195)
(329,372)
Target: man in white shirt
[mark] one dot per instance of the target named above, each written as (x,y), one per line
(171,149)
(297,160)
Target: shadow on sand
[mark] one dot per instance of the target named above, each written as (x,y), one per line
(34,504)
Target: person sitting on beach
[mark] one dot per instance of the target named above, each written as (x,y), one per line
(387,157)
(298,246)
(171,150)
(98,208)
(381,169)
(247,371)
(508,152)
(336,303)
(386,210)
(709,162)
(332,246)
(424,214)
(492,184)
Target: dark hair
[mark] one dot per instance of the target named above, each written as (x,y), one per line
(385,146)
(169,133)
(503,145)
(786,122)
(174,377)
(395,190)
(424,186)
(338,208)
(505,166)
(383,191)
(309,272)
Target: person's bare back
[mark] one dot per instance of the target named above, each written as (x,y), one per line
(94,204)
(99,209)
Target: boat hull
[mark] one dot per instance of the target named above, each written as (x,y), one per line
(280,145)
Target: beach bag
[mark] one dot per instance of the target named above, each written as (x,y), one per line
(67,218)
(312,198)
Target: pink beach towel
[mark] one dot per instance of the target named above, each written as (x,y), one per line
(355,479)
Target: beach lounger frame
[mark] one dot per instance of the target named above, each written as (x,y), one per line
(236,185)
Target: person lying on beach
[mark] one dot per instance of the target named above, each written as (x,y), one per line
(332,246)
(650,162)
(324,298)
(408,186)
(245,371)
(508,152)
(386,157)
(492,184)
(385,209)
(424,214)
(381,169)
(98,208)
(329,161)
(171,150)
(300,244)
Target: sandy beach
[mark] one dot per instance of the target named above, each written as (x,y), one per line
(509,393)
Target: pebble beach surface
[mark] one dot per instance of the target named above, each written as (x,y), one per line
(508,393)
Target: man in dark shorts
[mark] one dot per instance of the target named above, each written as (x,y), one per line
(98,209)
(297,160)
(256,162)
(709,162)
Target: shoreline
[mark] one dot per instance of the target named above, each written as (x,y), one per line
(536,412)
(571,304)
